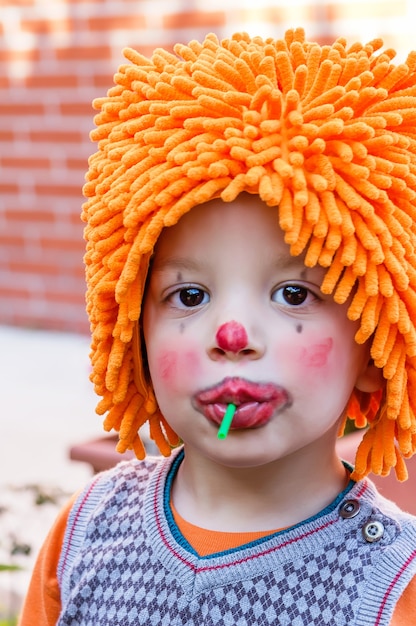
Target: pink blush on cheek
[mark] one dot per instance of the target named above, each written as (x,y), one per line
(167,365)
(317,354)
(172,364)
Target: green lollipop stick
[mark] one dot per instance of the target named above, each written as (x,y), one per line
(226,421)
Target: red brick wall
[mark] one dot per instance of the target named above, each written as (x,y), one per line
(55,57)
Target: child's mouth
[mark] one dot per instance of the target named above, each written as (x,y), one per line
(255,402)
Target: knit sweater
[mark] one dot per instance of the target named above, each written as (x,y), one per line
(125,562)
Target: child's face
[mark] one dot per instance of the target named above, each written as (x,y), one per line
(230,316)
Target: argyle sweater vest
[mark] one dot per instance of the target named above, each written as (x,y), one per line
(124,561)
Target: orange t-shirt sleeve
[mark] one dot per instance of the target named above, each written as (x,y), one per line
(42,604)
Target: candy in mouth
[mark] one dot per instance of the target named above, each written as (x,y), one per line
(226,421)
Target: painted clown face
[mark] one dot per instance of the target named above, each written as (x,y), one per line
(231,317)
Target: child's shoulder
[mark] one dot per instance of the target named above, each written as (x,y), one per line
(129,477)
(383,503)
(105,499)
(382,520)
(125,484)
(129,470)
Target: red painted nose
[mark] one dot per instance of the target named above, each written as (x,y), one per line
(231,337)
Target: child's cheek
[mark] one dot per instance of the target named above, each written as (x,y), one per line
(166,365)
(307,357)
(317,354)
(172,366)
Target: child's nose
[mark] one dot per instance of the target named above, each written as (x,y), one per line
(231,337)
(233,342)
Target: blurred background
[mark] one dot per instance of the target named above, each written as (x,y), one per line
(55,57)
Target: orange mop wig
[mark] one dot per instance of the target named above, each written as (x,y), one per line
(327,135)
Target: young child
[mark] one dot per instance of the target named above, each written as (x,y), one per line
(258,198)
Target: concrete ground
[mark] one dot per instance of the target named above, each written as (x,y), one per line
(47,404)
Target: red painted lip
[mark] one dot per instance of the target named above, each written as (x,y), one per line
(255,402)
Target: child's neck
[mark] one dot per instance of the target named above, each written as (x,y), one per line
(278,495)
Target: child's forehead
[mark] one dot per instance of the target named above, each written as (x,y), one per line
(246,226)
(246,216)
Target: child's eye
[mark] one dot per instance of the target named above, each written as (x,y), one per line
(292,295)
(189,297)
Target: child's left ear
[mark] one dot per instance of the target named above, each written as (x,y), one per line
(371,378)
